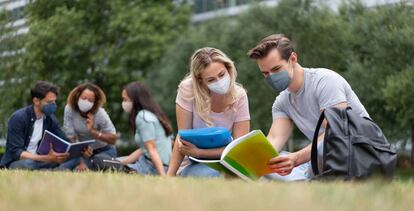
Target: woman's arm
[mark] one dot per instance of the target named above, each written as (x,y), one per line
(133,157)
(68,127)
(241,128)
(187,148)
(109,138)
(184,121)
(155,157)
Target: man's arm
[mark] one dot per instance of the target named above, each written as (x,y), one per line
(280,132)
(283,165)
(15,143)
(15,136)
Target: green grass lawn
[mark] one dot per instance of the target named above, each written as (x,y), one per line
(24,190)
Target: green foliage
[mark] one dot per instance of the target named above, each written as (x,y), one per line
(382,46)
(399,97)
(235,36)
(110,43)
(365,45)
(10,45)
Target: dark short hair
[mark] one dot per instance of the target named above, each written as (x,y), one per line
(41,88)
(274,41)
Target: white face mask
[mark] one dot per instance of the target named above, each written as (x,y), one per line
(127,106)
(84,105)
(222,86)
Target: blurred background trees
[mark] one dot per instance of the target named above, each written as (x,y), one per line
(112,43)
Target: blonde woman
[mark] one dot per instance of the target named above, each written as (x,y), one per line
(208,96)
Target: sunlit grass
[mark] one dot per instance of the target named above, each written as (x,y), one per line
(24,190)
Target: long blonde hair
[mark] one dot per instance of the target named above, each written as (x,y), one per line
(200,92)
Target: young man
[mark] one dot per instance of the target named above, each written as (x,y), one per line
(303,94)
(25,130)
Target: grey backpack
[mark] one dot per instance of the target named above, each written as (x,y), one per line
(354,147)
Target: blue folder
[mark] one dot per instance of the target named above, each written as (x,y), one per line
(207,138)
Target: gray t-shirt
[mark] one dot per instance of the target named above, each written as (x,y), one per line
(322,88)
(75,125)
(149,128)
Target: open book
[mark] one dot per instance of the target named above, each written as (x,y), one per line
(246,157)
(61,146)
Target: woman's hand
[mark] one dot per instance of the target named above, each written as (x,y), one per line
(81,167)
(87,152)
(187,148)
(90,121)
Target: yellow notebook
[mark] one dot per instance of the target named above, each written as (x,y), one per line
(246,157)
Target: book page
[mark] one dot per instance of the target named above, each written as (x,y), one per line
(214,164)
(59,144)
(250,154)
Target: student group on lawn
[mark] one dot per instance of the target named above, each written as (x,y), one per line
(208,96)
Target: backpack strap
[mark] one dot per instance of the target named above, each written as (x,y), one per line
(314,149)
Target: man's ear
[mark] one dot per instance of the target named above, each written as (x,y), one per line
(36,101)
(293,58)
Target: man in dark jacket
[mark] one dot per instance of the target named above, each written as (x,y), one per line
(26,128)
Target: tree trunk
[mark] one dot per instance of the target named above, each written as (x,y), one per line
(412,147)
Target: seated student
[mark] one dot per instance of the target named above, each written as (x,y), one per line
(26,128)
(152,131)
(85,119)
(303,94)
(208,96)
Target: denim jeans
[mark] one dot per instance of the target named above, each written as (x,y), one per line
(108,150)
(199,170)
(299,173)
(144,166)
(35,165)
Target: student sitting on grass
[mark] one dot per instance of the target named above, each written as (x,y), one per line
(26,128)
(303,93)
(208,96)
(152,131)
(85,119)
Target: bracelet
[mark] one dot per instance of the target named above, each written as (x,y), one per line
(99,134)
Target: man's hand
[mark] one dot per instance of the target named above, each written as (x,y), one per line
(55,157)
(187,148)
(87,152)
(283,164)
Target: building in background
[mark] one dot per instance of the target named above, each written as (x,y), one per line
(17,24)
(15,8)
(209,9)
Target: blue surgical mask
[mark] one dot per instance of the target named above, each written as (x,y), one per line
(49,108)
(279,81)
